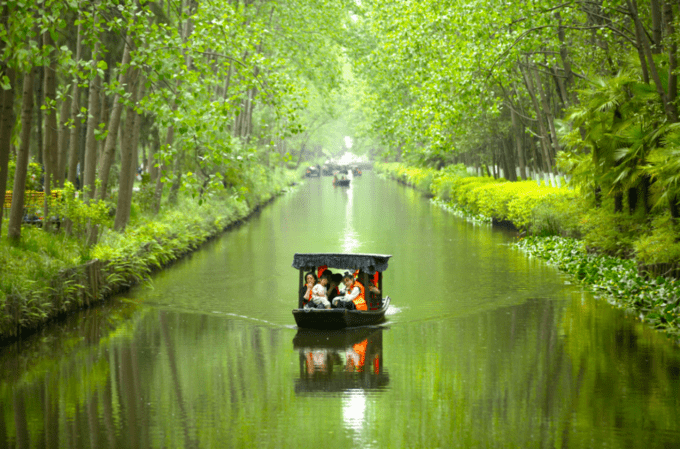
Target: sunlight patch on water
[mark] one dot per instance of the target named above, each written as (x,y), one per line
(354,409)
(350,242)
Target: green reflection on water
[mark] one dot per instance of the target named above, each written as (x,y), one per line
(484,348)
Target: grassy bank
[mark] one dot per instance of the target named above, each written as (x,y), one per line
(629,260)
(47,275)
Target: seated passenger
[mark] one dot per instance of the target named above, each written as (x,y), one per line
(319,300)
(305,294)
(333,290)
(373,285)
(355,295)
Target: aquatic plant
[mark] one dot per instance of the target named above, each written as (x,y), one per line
(655,301)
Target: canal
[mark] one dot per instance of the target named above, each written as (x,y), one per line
(483,347)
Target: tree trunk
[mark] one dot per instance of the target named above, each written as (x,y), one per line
(177,183)
(517,132)
(669,108)
(39,97)
(50,147)
(74,139)
(6,125)
(549,117)
(153,149)
(545,145)
(114,122)
(90,168)
(657,26)
(571,97)
(618,201)
(128,163)
(672,53)
(509,159)
(158,192)
(64,132)
(16,214)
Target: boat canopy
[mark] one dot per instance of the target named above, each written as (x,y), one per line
(368,263)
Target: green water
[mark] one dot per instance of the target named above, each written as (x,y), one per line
(483,347)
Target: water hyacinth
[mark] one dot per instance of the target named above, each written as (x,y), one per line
(655,301)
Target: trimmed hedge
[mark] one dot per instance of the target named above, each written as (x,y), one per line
(520,203)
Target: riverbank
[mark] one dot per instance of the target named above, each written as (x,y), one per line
(632,268)
(47,276)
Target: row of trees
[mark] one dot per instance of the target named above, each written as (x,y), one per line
(530,86)
(197,93)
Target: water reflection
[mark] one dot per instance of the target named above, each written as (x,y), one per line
(347,360)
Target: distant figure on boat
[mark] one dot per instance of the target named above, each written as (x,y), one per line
(355,294)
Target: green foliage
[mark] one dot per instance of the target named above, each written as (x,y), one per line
(71,207)
(561,216)
(33,176)
(610,233)
(443,184)
(662,244)
(34,280)
(28,268)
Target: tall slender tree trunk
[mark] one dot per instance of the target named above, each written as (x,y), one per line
(16,214)
(672,52)
(6,125)
(74,138)
(90,168)
(570,93)
(111,138)
(669,108)
(517,132)
(64,133)
(158,191)
(153,149)
(39,101)
(128,163)
(50,147)
(177,182)
(545,145)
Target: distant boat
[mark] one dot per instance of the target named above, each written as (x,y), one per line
(366,266)
(340,181)
(312,171)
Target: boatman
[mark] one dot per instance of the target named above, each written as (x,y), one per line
(355,295)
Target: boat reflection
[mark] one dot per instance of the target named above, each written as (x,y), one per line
(340,360)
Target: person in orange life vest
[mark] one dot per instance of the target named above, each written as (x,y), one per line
(355,295)
(306,290)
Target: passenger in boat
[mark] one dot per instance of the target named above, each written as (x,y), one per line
(333,290)
(306,290)
(319,300)
(355,294)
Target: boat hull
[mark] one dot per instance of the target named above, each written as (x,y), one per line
(339,318)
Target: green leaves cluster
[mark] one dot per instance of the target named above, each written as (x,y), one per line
(654,301)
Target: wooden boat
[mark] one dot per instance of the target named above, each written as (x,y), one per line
(341,181)
(365,266)
(313,172)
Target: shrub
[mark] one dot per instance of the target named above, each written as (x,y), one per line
(662,245)
(610,233)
